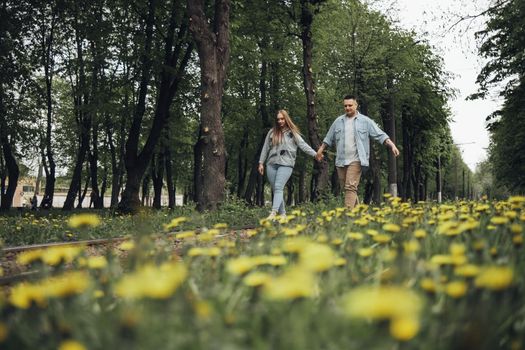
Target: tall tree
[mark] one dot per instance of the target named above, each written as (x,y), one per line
(320,178)
(177,53)
(212,38)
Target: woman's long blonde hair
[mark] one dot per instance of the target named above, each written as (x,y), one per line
(277,137)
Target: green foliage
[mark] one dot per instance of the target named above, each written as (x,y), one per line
(503,43)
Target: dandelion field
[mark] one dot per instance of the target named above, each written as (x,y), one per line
(398,276)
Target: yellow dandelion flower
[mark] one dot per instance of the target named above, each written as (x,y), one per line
(411,246)
(428,285)
(356,236)
(499,220)
(468,270)
(440,259)
(292,284)
(27,257)
(517,240)
(150,281)
(361,222)
(393,228)
(84,220)
(127,245)
(251,232)
(383,302)
(54,255)
(382,238)
(340,262)
(175,222)
(256,279)
(71,345)
(185,234)
(372,232)
(456,289)
(317,257)
(295,245)
(517,199)
(336,241)
(495,278)
(220,225)
(198,251)
(23,294)
(457,249)
(97,262)
(404,328)
(420,233)
(207,236)
(240,265)
(365,252)
(70,283)
(322,238)
(98,294)
(516,228)
(290,231)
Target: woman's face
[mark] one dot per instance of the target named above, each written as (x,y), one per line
(280,120)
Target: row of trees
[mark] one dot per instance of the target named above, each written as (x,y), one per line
(127,93)
(503,45)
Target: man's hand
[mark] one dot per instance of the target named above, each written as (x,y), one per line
(393,147)
(260,169)
(395,151)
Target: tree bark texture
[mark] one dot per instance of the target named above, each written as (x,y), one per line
(213,49)
(320,173)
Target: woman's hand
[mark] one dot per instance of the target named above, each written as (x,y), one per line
(260,168)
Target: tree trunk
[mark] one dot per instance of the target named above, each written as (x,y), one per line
(176,56)
(197,169)
(255,178)
(145,190)
(83,123)
(289,196)
(320,172)
(82,193)
(13,171)
(389,123)
(302,185)
(407,158)
(214,49)
(157,176)
(47,42)
(170,183)
(242,163)
(336,186)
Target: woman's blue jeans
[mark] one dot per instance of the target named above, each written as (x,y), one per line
(278,176)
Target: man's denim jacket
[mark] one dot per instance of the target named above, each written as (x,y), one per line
(285,152)
(364,128)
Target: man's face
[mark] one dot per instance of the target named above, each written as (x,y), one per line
(350,107)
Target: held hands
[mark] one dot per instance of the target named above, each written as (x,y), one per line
(319,156)
(260,169)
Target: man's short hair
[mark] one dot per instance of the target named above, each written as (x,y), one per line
(350,97)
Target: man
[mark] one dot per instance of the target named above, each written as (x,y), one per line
(350,133)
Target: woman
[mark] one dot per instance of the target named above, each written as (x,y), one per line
(279,152)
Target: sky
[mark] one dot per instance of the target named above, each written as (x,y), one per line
(431,19)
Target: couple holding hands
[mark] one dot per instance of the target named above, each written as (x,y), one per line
(349,133)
